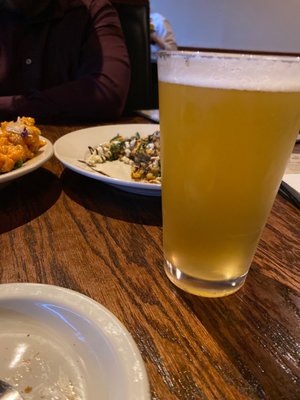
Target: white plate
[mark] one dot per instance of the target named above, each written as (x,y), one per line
(42,156)
(58,344)
(71,148)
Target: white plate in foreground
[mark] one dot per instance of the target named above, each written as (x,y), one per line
(71,148)
(43,155)
(59,344)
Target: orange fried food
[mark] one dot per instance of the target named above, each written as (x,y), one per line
(19,141)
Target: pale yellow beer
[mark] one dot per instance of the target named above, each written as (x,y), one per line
(224,150)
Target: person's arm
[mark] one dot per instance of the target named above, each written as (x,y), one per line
(157,40)
(169,39)
(7,108)
(98,93)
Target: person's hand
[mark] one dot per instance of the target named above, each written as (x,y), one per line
(156,40)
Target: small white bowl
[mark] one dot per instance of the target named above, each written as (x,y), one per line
(59,344)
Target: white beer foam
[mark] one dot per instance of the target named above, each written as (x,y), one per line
(230,71)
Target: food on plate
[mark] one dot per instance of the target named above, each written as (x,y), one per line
(142,153)
(19,141)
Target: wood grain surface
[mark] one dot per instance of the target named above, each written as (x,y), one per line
(58,227)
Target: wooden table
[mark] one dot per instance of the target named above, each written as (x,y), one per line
(58,227)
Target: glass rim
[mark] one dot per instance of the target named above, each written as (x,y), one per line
(238,55)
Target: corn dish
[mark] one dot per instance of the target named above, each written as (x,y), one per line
(19,141)
(143,154)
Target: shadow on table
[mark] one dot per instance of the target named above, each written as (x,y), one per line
(27,197)
(106,200)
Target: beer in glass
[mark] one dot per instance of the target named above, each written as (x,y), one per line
(228,125)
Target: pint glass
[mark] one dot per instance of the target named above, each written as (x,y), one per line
(228,125)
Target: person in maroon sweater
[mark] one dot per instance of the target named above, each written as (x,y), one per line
(62,60)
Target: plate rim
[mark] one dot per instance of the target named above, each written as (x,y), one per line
(138,388)
(44,154)
(151,187)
